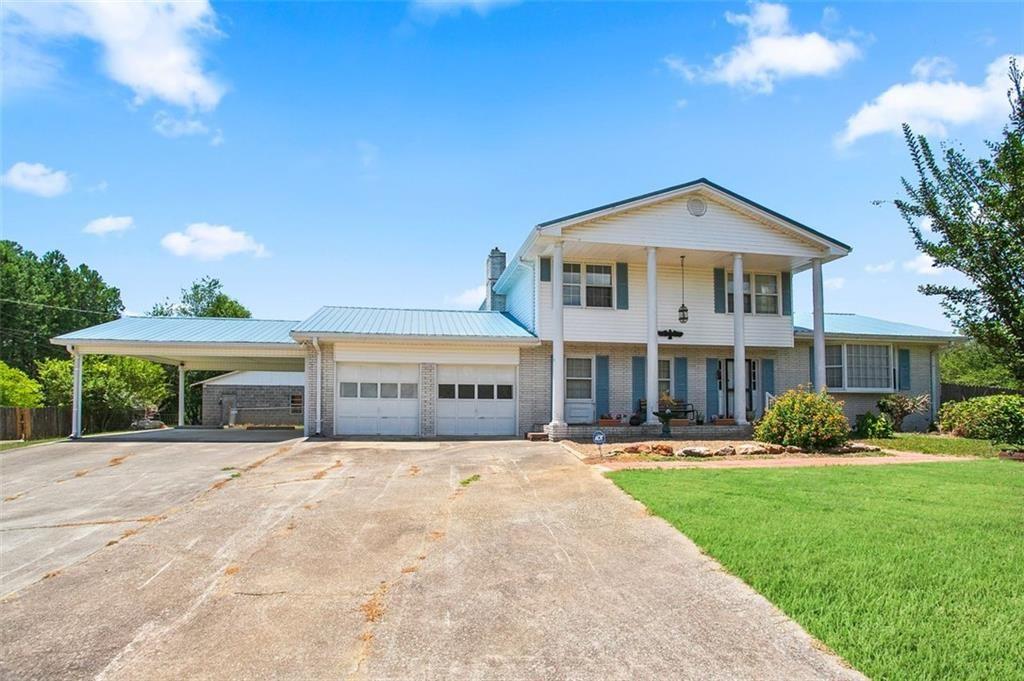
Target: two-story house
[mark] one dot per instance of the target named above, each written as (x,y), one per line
(686,291)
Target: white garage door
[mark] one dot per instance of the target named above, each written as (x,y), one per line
(378,399)
(476,400)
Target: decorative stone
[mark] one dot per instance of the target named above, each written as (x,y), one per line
(751,450)
(696,451)
(662,449)
(770,448)
(791,449)
(725,450)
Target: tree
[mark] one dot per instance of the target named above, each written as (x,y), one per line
(44,297)
(204,298)
(976,214)
(115,389)
(973,364)
(17,389)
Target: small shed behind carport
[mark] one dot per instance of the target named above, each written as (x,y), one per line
(253,397)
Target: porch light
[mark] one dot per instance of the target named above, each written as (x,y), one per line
(684,313)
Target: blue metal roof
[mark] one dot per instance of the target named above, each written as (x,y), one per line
(398,322)
(185,330)
(846,323)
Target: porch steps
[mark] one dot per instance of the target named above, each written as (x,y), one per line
(537,437)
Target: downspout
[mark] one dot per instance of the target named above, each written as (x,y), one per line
(319,384)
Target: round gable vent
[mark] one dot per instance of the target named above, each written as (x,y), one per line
(697,206)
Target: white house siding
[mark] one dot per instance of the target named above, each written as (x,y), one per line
(260,378)
(519,300)
(432,352)
(669,224)
(706,327)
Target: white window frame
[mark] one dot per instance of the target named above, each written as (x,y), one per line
(846,365)
(583,264)
(753,274)
(671,375)
(593,379)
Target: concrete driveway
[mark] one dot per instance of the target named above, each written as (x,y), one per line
(362,560)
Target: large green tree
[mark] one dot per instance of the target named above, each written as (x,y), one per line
(17,389)
(44,297)
(973,364)
(975,214)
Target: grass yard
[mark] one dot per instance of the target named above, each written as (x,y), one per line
(937,444)
(908,572)
(18,444)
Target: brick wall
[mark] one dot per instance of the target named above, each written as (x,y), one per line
(327,378)
(428,400)
(534,387)
(256,404)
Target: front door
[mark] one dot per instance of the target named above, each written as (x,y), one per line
(730,388)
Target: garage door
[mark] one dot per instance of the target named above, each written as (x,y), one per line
(378,399)
(476,400)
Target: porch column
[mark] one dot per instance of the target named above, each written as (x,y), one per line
(819,324)
(739,348)
(76,394)
(181,395)
(557,341)
(652,334)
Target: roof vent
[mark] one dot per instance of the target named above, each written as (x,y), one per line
(696,206)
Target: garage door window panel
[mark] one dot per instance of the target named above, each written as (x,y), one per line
(368,390)
(484,392)
(389,391)
(446,391)
(504,392)
(349,389)
(467,391)
(409,391)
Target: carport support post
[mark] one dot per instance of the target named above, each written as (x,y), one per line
(181,395)
(76,394)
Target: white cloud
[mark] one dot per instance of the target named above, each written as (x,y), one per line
(929,106)
(204,241)
(834,283)
(925,224)
(169,126)
(932,68)
(922,264)
(880,268)
(109,225)
(438,7)
(36,178)
(153,48)
(470,298)
(771,52)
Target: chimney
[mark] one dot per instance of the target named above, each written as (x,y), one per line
(495,266)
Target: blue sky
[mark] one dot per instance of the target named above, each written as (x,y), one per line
(384,148)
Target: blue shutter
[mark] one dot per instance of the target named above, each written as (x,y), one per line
(602,385)
(711,401)
(719,289)
(787,293)
(622,285)
(545,269)
(904,368)
(767,377)
(810,363)
(639,380)
(679,380)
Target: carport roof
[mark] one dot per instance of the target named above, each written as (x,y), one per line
(372,321)
(185,330)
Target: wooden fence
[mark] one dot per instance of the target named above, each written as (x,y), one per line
(952,392)
(19,423)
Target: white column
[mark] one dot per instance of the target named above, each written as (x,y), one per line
(557,341)
(76,394)
(818,295)
(181,395)
(739,348)
(652,334)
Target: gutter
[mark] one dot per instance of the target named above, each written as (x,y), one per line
(526,341)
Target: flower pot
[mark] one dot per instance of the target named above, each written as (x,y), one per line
(608,422)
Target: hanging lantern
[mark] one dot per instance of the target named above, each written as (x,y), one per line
(684,313)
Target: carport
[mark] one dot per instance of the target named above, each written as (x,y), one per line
(189,343)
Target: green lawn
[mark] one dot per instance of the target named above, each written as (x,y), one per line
(16,444)
(908,572)
(937,444)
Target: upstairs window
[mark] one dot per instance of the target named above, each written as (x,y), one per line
(571,284)
(766,294)
(599,285)
(746,292)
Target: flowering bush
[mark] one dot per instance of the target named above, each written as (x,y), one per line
(999,418)
(810,420)
(871,425)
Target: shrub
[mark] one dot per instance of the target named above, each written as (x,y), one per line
(999,418)
(810,420)
(873,426)
(899,407)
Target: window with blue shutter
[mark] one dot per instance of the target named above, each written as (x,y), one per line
(622,285)
(904,368)
(679,380)
(639,381)
(767,379)
(787,293)
(601,385)
(719,289)
(545,269)
(711,396)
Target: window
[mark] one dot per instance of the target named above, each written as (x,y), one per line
(504,392)
(746,292)
(467,391)
(295,403)
(409,391)
(485,392)
(446,391)
(664,377)
(599,285)
(834,366)
(578,378)
(571,284)
(766,294)
(389,391)
(349,389)
(368,390)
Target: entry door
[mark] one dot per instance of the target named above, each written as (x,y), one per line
(378,399)
(476,400)
(730,388)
